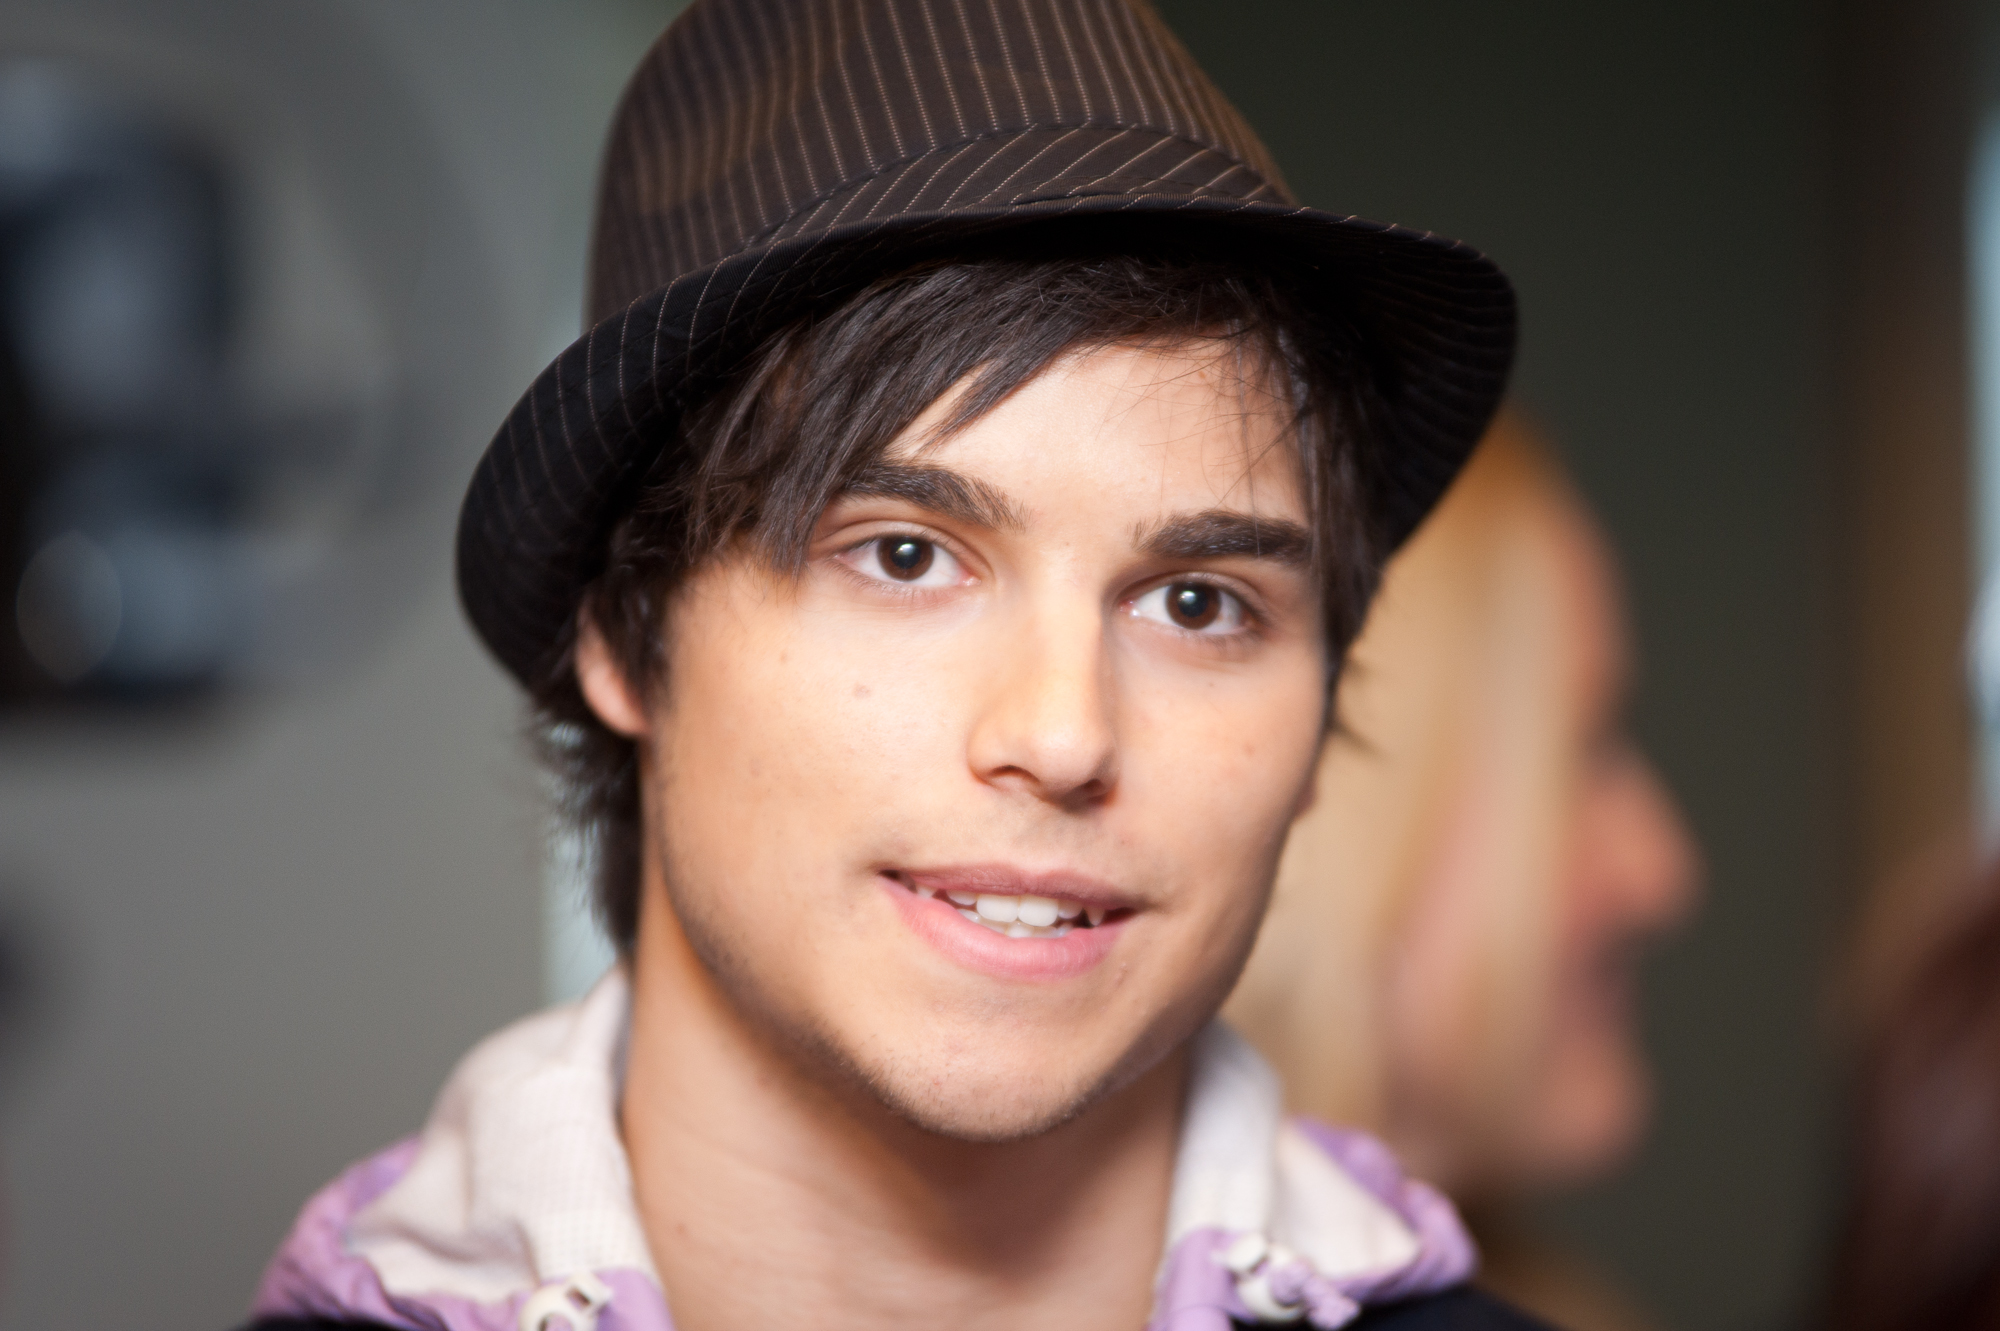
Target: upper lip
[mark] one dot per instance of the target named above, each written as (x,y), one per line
(1009,880)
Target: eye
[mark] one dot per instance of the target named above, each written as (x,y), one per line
(1196,607)
(911,561)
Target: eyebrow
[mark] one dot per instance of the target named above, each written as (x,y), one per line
(1220,533)
(1216,533)
(944,492)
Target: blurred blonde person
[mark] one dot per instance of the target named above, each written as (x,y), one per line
(1449,957)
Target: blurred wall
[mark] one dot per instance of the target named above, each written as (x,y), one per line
(242,905)
(1653,177)
(1912,85)
(1903,155)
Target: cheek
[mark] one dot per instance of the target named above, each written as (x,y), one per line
(1215,776)
(803,730)
(1591,1075)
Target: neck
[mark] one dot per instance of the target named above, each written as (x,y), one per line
(772,1198)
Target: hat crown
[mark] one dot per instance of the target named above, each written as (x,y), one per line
(753,119)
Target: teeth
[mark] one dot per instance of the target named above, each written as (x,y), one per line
(1038,911)
(1018,917)
(1000,910)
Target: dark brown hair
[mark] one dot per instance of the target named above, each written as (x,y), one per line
(1921,1246)
(756,462)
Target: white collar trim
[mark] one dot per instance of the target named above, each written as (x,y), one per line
(1243,1168)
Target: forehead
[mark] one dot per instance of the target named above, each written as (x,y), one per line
(1193,424)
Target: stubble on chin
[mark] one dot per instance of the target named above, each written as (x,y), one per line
(910,1092)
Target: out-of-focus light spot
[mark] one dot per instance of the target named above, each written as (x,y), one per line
(69,607)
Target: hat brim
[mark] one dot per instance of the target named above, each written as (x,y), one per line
(1438,316)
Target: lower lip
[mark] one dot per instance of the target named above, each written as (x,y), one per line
(975,947)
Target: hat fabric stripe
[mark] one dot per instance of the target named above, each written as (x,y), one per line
(770,154)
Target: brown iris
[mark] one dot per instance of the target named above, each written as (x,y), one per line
(905,558)
(1192,605)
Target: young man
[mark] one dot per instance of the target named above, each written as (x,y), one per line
(931,570)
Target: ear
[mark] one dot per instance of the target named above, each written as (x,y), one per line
(603,682)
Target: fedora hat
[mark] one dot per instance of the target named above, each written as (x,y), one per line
(771,154)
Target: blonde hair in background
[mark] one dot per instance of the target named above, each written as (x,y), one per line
(1445,788)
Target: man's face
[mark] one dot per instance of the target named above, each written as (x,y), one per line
(981,811)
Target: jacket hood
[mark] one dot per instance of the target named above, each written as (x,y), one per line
(513,1211)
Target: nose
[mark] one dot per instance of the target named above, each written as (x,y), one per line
(1046,726)
(1651,854)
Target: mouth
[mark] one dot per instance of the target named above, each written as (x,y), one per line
(1025,925)
(1023,916)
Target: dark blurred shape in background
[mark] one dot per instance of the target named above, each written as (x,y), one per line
(193,449)
(1919,1246)
(128,471)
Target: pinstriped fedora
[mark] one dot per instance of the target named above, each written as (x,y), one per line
(771,154)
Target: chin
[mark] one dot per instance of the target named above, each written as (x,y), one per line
(982,1093)
(972,1117)
(986,1081)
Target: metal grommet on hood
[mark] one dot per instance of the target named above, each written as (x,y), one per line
(1252,1260)
(567,1305)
